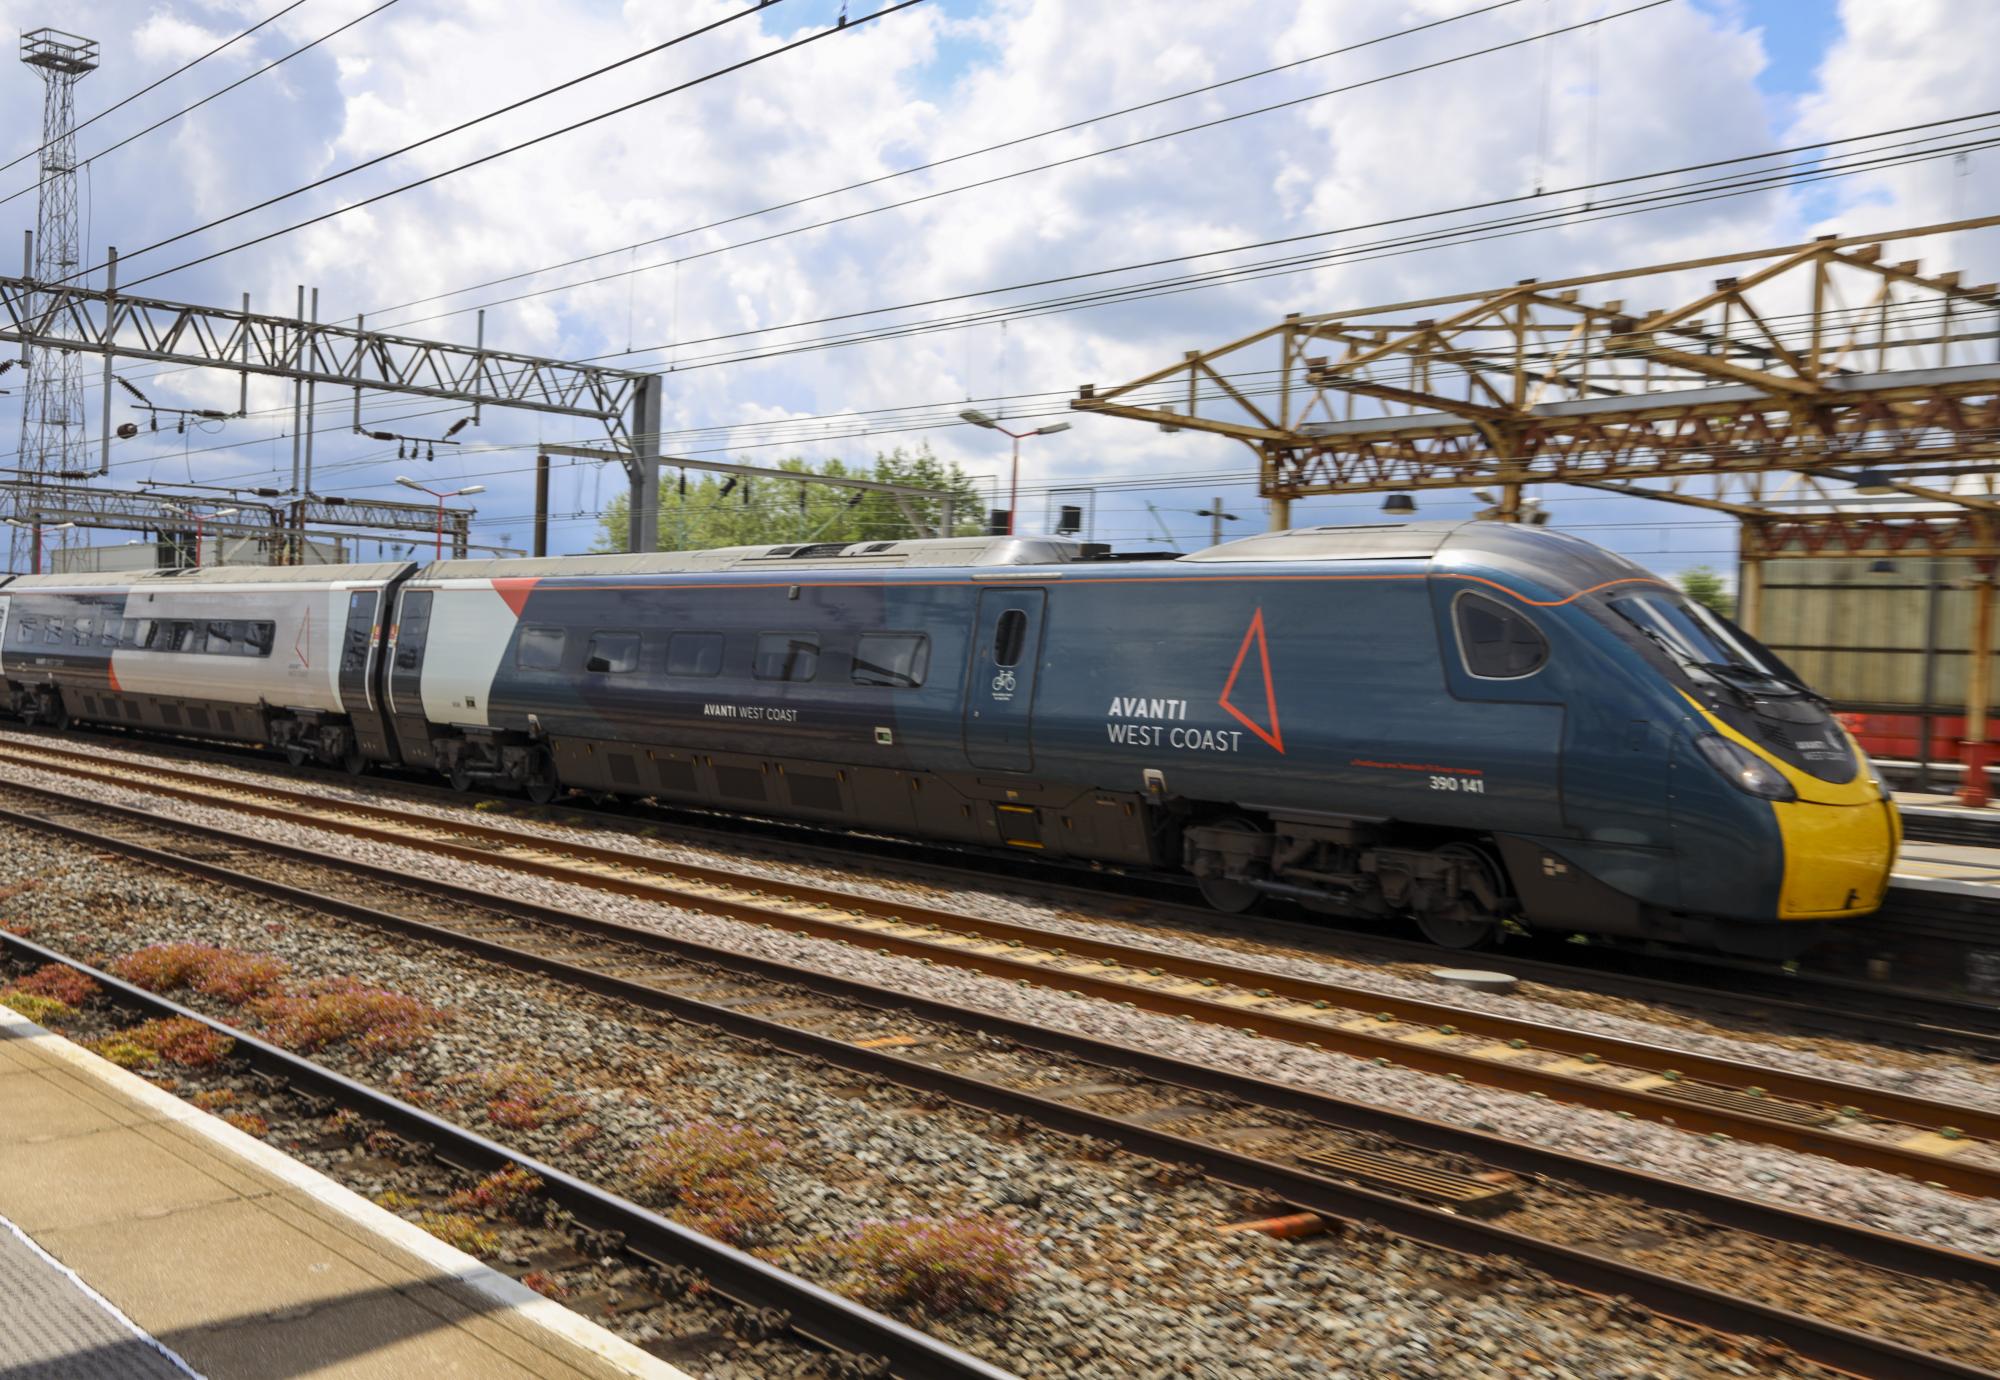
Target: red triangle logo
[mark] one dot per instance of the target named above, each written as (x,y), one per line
(514,590)
(1255,635)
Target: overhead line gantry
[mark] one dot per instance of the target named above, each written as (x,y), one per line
(1773,394)
(309,353)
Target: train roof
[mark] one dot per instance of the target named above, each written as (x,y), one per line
(1374,541)
(828,555)
(373,572)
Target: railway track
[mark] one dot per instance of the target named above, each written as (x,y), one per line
(772,1300)
(1756,993)
(1433,1183)
(1957,1147)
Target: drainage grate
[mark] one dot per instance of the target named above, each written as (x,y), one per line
(1744,1104)
(1371,1170)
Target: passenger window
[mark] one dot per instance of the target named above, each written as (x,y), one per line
(111,629)
(219,642)
(258,638)
(1009,637)
(53,632)
(786,656)
(1496,642)
(891,659)
(25,628)
(144,630)
(81,632)
(612,653)
(180,636)
(694,654)
(541,649)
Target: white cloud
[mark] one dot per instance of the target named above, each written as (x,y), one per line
(1674,85)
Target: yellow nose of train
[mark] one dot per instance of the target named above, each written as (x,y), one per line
(1839,838)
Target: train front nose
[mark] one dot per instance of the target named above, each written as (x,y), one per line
(1838,852)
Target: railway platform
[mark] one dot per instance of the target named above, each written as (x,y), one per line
(1937,815)
(142,1238)
(1966,869)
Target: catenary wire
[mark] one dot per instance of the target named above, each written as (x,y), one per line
(1575,189)
(758,8)
(1753,184)
(888,9)
(939,162)
(1073,159)
(155,85)
(186,110)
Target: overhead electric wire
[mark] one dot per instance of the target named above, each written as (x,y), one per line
(945,161)
(155,85)
(848,27)
(998,178)
(758,8)
(185,110)
(1504,227)
(806,431)
(1596,185)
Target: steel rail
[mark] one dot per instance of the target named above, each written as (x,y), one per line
(1862,1244)
(796,904)
(823,1318)
(1941,1021)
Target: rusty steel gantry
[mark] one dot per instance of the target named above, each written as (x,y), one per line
(1815,373)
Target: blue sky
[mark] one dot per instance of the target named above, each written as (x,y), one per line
(1692,80)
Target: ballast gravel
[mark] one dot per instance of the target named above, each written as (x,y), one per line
(1128,1280)
(1943,1079)
(1809,1183)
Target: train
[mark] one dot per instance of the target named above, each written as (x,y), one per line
(1482,728)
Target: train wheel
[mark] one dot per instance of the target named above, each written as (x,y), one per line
(542,785)
(1232,898)
(353,763)
(459,778)
(1465,924)
(1227,894)
(297,754)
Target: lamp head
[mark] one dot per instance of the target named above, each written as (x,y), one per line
(1051,429)
(977,418)
(472,489)
(1399,503)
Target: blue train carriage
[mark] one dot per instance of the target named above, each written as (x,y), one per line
(279,656)
(1469,724)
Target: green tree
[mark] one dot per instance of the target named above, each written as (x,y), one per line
(1701,584)
(701,510)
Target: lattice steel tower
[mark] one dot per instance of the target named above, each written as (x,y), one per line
(52,412)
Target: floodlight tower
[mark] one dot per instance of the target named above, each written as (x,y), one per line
(52,411)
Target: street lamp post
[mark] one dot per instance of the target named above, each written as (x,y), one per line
(468,490)
(201,519)
(36,524)
(978,418)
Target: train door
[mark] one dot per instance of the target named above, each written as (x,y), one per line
(1000,701)
(357,682)
(406,677)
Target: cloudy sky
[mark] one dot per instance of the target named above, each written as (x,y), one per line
(728,231)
